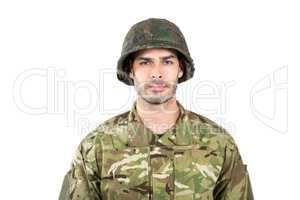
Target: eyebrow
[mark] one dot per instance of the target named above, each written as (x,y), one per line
(167,57)
(149,59)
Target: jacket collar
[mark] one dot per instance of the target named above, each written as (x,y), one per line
(140,135)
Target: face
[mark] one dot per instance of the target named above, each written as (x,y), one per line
(155,73)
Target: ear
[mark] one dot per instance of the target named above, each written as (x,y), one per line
(181,68)
(180,73)
(131,74)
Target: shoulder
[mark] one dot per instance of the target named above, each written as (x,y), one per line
(105,132)
(209,132)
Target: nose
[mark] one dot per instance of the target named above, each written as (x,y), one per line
(156,72)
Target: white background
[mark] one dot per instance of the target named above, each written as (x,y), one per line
(58,82)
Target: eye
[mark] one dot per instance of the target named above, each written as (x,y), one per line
(144,63)
(168,62)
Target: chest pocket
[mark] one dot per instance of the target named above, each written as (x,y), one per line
(196,172)
(125,173)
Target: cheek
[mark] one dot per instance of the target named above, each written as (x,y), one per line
(171,74)
(141,74)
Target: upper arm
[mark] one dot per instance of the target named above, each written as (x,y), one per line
(234,181)
(82,180)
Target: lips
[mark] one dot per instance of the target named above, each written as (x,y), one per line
(157,87)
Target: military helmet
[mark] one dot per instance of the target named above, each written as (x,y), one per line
(154,33)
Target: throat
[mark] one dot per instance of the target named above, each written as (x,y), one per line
(158,118)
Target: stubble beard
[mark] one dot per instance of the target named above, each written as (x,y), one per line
(156,98)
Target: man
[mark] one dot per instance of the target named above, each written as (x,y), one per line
(158,149)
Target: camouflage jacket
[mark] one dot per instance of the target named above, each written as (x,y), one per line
(123,159)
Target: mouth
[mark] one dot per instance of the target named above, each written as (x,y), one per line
(157,87)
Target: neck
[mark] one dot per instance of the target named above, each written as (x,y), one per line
(164,114)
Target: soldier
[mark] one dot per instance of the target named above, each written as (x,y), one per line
(158,149)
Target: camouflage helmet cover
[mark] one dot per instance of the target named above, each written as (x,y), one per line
(154,33)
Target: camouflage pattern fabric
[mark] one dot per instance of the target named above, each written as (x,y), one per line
(123,159)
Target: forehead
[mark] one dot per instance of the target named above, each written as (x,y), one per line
(155,52)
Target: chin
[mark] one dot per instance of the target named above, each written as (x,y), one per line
(157,99)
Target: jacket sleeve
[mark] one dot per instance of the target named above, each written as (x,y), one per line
(233,182)
(82,181)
